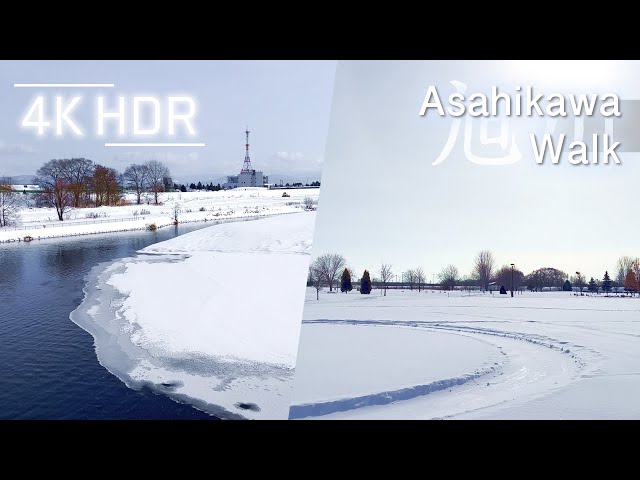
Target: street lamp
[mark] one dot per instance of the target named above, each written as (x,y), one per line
(512,265)
(579,281)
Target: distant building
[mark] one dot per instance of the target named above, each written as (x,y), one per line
(248,177)
(253,178)
(26,188)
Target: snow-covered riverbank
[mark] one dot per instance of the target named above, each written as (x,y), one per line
(211,317)
(41,223)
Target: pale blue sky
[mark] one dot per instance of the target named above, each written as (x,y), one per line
(382,200)
(286,105)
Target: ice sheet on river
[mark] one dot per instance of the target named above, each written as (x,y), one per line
(211,318)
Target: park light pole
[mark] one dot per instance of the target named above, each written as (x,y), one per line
(579,280)
(512,265)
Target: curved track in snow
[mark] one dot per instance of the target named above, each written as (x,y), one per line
(534,366)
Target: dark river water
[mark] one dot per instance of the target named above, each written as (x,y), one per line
(48,365)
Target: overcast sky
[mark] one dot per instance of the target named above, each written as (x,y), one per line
(286,105)
(382,200)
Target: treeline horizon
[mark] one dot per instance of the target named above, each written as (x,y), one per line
(325,269)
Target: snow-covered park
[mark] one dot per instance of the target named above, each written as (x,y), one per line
(461,355)
(42,223)
(212,317)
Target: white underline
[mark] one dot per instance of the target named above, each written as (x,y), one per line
(63,85)
(154,144)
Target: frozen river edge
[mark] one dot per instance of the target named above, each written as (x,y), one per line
(172,318)
(114,349)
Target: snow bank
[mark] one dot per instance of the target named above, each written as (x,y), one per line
(211,317)
(282,234)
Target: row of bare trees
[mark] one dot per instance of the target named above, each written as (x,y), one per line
(324,271)
(79,182)
(152,176)
(485,273)
(415,277)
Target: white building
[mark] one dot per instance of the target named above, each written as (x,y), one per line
(26,188)
(253,178)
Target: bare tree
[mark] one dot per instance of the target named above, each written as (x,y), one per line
(105,186)
(328,266)
(580,281)
(77,173)
(52,179)
(309,203)
(623,266)
(157,172)
(420,277)
(176,212)
(448,277)
(410,278)
(136,177)
(316,276)
(504,276)
(336,264)
(9,209)
(483,268)
(385,276)
(545,277)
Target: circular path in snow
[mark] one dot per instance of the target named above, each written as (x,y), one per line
(346,366)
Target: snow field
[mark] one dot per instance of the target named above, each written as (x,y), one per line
(564,356)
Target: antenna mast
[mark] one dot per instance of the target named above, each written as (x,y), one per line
(246,166)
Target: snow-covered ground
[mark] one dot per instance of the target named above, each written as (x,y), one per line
(41,223)
(550,355)
(211,317)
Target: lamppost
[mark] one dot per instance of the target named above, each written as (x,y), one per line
(579,281)
(512,265)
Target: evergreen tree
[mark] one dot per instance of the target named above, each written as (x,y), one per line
(192,186)
(566,286)
(199,186)
(593,286)
(630,283)
(365,283)
(183,188)
(345,282)
(606,282)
